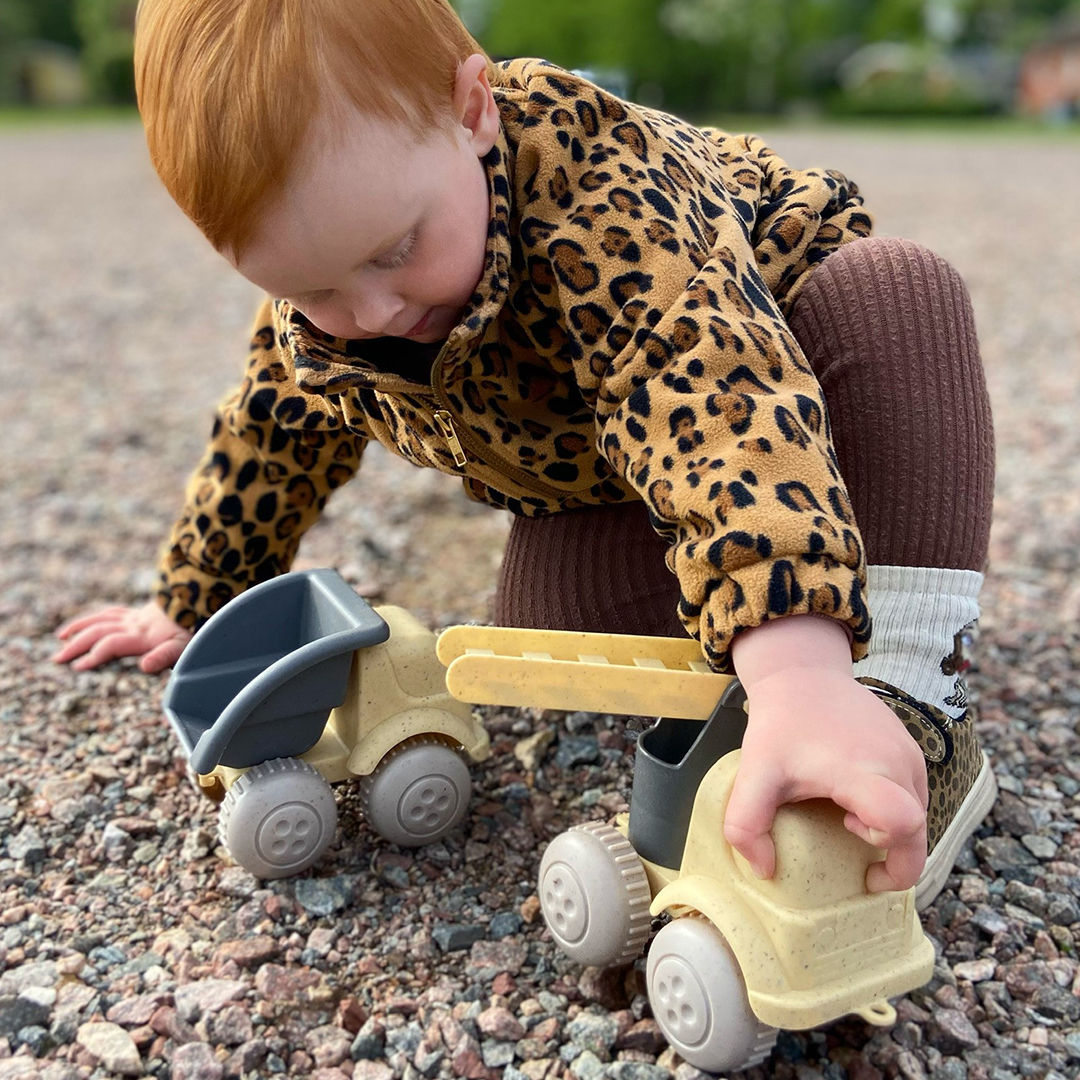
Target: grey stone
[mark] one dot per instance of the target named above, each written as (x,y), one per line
(35,1038)
(328,1044)
(1057,1003)
(949,1068)
(196,1061)
(406,1038)
(637,1070)
(595,1033)
(369,1041)
(324,896)
(1021,914)
(1062,910)
(988,920)
(908,1065)
(975,971)
(951,1032)
(231,1026)
(587,1066)
(505,924)
(1042,847)
(115,842)
(17,980)
(428,1059)
(579,750)
(453,936)
(247,1057)
(1027,896)
(23,1011)
(582,721)
(495,1054)
(1003,853)
(397,877)
(27,845)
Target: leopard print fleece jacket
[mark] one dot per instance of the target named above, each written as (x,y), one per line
(626,340)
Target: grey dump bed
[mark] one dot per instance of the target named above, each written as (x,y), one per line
(258,681)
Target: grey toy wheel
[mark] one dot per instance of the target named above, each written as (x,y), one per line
(278,818)
(595,896)
(417,793)
(698,997)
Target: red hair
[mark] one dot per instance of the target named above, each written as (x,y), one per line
(228,89)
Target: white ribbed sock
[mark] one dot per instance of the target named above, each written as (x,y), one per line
(919,613)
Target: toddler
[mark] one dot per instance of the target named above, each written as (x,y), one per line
(713,403)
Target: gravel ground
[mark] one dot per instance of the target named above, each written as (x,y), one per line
(129,946)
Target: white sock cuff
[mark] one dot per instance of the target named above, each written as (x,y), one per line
(918,613)
(922,581)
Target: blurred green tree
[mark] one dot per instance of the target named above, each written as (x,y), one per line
(107,29)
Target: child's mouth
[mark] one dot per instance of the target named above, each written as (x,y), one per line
(421,326)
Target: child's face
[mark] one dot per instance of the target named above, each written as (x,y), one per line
(379,235)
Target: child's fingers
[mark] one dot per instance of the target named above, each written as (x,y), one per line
(73,626)
(84,640)
(749,817)
(162,656)
(887,815)
(109,648)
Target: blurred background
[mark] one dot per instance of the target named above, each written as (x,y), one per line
(698,58)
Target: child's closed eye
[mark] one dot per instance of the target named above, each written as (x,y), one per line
(401,256)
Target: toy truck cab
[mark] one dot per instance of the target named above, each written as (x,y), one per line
(298,684)
(742,957)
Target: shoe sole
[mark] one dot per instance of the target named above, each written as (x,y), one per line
(942,859)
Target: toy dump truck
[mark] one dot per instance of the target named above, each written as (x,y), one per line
(741,957)
(298,684)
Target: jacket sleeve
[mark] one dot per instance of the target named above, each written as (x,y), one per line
(668,264)
(275,455)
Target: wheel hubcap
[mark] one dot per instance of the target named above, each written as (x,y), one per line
(427,805)
(565,906)
(681,998)
(288,834)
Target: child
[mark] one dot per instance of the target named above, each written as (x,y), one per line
(622,329)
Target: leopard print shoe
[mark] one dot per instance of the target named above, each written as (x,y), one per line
(959,779)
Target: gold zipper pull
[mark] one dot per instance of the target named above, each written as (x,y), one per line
(446,425)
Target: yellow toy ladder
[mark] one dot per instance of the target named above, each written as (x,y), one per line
(566,669)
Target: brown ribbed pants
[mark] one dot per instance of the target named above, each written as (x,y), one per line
(888,329)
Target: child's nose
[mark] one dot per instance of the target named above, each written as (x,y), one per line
(378,313)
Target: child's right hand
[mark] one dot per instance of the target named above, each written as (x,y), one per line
(814,732)
(99,636)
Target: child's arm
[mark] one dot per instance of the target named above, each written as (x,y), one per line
(275,455)
(100,636)
(814,732)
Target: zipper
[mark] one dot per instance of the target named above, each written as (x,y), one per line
(444,419)
(446,426)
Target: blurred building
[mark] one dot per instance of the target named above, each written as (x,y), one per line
(1049,83)
(42,73)
(915,77)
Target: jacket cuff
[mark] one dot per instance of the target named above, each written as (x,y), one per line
(773,588)
(189,596)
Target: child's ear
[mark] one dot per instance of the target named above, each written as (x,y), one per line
(474,104)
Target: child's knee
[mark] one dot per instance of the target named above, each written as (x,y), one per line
(905,265)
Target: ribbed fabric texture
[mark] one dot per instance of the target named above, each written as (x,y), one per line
(888,328)
(599,569)
(918,614)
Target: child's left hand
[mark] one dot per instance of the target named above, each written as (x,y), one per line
(814,732)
